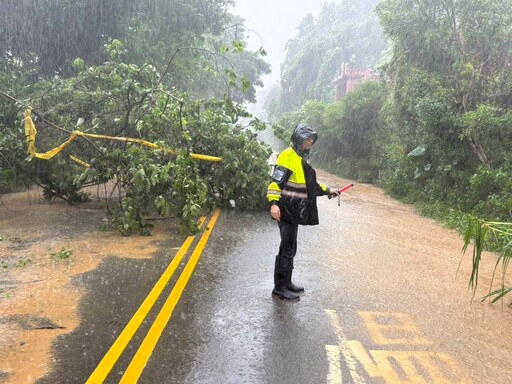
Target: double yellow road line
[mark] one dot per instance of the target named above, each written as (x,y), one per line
(142,355)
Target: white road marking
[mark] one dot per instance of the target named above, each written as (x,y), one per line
(345,351)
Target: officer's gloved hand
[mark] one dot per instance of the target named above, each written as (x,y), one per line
(333,193)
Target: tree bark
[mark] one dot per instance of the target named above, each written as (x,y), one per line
(478,150)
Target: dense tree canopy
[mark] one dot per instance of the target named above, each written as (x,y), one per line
(189,42)
(58,32)
(456,55)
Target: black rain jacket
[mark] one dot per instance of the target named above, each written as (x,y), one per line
(294,186)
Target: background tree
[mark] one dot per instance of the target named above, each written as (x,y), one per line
(228,66)
(191,43)
(450,65)
(345,32)
(58,32)
(462,48)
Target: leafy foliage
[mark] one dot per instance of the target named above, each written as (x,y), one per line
(496,236)
(451,83)
(13,167)
(63,254)
(456,50)
(168,72)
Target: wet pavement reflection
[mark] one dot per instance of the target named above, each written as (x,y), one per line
(375,310)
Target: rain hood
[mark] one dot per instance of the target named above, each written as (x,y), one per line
(301,133)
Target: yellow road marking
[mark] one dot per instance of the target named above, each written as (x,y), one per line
(140,359)
(408,366)
(393,329)
(399,366)
(115,351)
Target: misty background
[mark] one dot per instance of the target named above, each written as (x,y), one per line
(274,23)
(271,24)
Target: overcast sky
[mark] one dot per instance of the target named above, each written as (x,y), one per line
(276,22)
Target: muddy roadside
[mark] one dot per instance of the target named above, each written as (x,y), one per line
(42,246)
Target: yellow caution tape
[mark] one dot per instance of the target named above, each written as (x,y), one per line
(205,157)
(81,162)
(31,132)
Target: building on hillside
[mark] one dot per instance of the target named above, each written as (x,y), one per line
(347,78)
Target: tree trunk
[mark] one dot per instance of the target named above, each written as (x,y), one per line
(478,150)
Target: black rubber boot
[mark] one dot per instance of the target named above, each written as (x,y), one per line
(281,273)
(292,287)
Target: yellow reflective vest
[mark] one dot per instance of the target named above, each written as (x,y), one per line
(294,188)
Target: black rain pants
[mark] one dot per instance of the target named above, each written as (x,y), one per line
(288,246)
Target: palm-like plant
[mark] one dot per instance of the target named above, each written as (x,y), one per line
(496,236)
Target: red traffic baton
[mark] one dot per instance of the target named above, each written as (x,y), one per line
(346,187)
(341,190)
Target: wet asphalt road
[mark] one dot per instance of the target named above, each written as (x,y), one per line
(367,316)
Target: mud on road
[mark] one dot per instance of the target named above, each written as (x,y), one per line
(38,302)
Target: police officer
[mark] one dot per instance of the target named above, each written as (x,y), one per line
(292,195)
